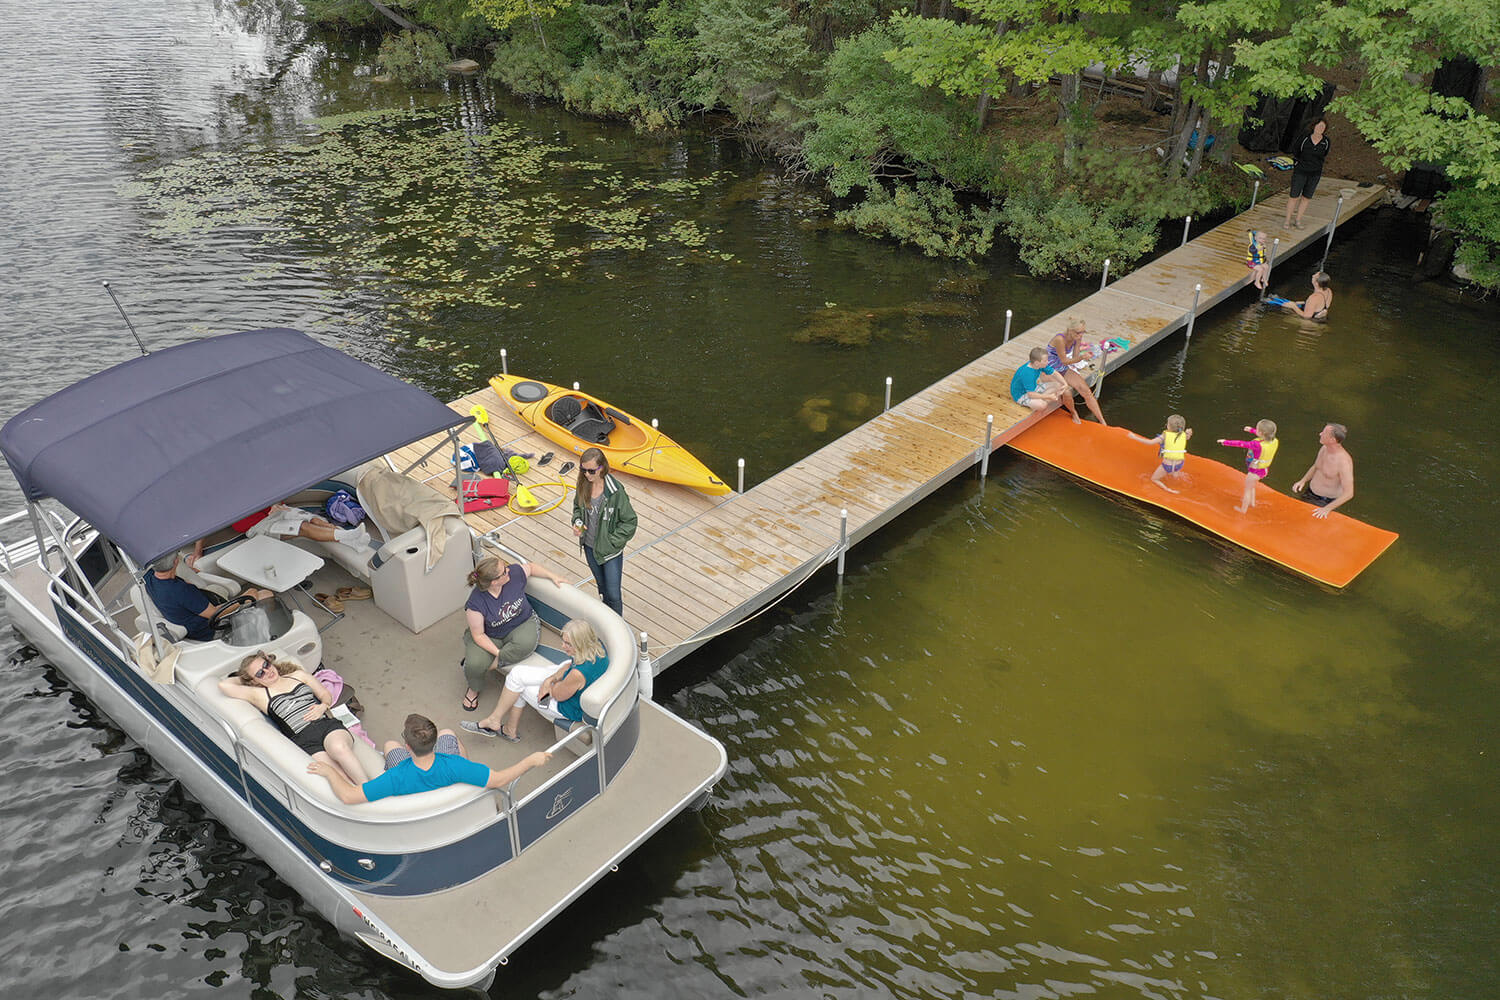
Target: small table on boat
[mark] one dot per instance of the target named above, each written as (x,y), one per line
(275,565)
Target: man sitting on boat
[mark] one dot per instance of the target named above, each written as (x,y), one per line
(183,604)
(284,521)
(428,759)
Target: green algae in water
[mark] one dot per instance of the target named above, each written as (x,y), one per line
(415,210)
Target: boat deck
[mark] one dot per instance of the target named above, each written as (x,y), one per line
(700,564)
(512,903)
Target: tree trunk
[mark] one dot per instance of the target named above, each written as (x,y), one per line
(1148,94)
(382,8)
(982,109)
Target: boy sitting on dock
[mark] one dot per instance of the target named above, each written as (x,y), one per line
(1034,386)
(1259,452)
(1173,446)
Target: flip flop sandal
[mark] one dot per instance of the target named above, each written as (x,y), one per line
(478,730)
(333,604)
(471,708)
(567,467)
(544,459)
(354,593)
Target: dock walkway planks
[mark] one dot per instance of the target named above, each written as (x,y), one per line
(699,565)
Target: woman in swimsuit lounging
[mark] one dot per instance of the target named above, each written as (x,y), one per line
(1316,306)
(298,704)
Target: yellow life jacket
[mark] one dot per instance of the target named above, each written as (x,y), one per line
(1267,452)
(1173,446)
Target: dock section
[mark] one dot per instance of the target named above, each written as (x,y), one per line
(699,565)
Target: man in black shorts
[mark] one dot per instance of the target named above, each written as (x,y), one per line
(1330,482)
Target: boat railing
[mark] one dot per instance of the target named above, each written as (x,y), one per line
(17,553)
(65,596)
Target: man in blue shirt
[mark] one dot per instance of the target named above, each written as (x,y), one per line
(428,759)
(183,604)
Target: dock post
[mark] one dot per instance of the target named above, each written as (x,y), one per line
(1185,224)
(843,538)
(654,425)
(742,476)
(1193,313)
(1104,280)
(887,392)
(1007,327)
(643,665)
(989,436)
(503,369)
(1332,225)
(1270,264)
(576,387)
(1254,195)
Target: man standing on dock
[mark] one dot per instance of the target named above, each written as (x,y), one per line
(1330,481)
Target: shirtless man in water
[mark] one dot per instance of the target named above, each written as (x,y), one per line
(1330,481)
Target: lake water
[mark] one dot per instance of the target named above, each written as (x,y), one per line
(1038,743)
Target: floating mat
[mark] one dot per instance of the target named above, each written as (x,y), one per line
(1332,550)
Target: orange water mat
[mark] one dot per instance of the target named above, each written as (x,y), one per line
(1332,550)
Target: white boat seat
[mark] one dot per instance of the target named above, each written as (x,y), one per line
(170,631)
(471,805)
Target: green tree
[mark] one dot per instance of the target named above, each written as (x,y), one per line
(1395,47)
(1033,40)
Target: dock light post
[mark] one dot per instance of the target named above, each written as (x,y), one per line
(647,673)
(989,435)
(504,370)
(1104,280)
(1193,312)
(1185,224)
(1332,224)
(843,538)
(742,476)
(1007,327)
(1270,264)
(1255,194)
(887,392)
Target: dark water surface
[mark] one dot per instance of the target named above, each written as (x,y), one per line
(1040,743)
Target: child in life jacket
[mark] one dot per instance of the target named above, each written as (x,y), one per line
(1172,444)
(1255,260)
(1258,455)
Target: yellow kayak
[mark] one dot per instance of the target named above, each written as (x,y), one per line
(577,421)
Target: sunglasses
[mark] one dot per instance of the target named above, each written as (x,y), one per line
(592,472)
(265,665)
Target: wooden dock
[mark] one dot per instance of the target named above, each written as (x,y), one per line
(699,565)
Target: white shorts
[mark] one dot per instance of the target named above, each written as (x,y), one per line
(526,679)
(281,523)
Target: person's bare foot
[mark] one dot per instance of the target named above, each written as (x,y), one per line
(1163,486)
(1241,510)
(1076,419)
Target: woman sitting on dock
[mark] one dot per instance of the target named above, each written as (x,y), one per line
(502,625)
(1066,350)
(298,703)
(554,692)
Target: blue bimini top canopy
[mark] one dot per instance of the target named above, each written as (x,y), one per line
(167,448)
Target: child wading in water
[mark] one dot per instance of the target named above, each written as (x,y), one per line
(1255,260)
(1173,442)
(1260,451)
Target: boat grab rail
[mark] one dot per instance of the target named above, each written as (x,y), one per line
(13,554)
(59,584)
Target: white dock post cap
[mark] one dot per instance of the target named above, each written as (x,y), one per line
(654,424)
(576,387)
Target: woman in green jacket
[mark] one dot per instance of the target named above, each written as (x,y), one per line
(604,522)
